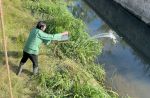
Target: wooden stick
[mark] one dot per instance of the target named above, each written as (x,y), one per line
(5,49)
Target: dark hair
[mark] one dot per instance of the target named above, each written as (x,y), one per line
(40,25)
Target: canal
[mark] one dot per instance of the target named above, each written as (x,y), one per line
(127,70)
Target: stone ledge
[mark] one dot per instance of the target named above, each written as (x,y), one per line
(141,8)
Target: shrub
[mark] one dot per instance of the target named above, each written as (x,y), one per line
(80,46)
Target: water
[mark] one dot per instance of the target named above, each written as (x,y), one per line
(106,35)
(127,71)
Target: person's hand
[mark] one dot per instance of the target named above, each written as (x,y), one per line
(65,33)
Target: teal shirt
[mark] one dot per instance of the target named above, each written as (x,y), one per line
(36,37)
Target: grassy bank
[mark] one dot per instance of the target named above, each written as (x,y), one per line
(67,70)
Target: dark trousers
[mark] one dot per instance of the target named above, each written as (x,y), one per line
(32,57)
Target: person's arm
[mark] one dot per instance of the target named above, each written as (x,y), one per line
(45,36)
(59,36)
(48,37)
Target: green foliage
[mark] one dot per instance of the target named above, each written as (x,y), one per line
(80,46)
(58,78)
(97,71)
(17,85)
(21,39)
(68,80)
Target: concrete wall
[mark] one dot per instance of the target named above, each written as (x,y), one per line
(132,29)
(141,8)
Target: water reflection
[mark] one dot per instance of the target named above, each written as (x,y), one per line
(82,11)
(127,71)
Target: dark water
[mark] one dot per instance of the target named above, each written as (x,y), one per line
(127,71)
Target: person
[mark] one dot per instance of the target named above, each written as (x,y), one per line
(31,48)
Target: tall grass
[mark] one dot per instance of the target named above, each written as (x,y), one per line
(67,70)
(68,80)
(80,47)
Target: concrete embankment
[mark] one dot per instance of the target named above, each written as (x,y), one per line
(125,23)
(140,8)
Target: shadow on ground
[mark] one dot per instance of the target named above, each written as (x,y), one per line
(14,54)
